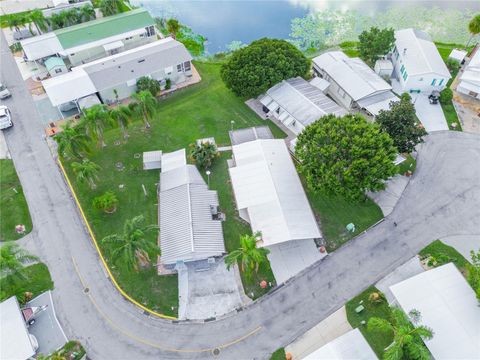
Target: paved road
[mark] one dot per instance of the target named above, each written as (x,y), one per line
(441,200)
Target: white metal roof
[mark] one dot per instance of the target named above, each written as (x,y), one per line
(152,159)
(14,337)
(349,346)
(113,45)
(419,53)
(68,87)
(458,55)
(320,83)
(303,101)
(41,46)
(266,184)
(448,305)
(351,74)
(471,73)
(373,104)
(174,160)
(384,64)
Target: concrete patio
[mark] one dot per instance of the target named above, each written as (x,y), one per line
(431,116)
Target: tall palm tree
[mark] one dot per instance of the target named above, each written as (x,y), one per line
(111,7)
(132,244)
(173,27)
(87,12)
(146,104)
(86,171)
(122,115)
(40,21)
(15,21)
(248,254)
(13,260)
(95,120)
(474,27)
(407,337)
(72,141)
(58,20)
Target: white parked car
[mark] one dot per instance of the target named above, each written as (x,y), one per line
(4,92)
(5,117)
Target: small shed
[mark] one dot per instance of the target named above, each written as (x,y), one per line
(384,68)
(152,160)
(458,55)
(55,66)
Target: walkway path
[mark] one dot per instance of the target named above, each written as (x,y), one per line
(441,200)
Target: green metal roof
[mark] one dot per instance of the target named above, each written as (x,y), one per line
(102,28)
(54,61)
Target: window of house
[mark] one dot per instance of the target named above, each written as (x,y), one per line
(405,76)
(58,71)
(441,82)
(72,54)
(179,68)
(150,30)
(142,35)
(433,82)
(186,66)
(129,38)
(141,61)
(402,69)
(168,70)
(421,79)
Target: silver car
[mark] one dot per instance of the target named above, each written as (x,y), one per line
(4,92)
(5,117)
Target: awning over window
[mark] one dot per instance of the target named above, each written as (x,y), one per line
(113,45)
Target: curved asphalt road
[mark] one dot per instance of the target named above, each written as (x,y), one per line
(441,200)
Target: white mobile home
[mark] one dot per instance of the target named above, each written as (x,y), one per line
(270,197)
(296,103)
(418,66)
(470,79)
(352,83)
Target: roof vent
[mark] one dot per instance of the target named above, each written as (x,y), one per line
(404,51)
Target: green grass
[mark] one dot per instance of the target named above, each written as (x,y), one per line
(443,254)
(13,206)
(378,341)
(409,164)
(202,110)
(335,213)
(451,116)
(279,354)
(445,49)
(350,48)
(38,280)
(71,350)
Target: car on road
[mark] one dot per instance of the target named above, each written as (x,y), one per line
(4,92)
(5,117)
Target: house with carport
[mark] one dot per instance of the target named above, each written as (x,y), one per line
(470,79)
(353,84)
(270,197)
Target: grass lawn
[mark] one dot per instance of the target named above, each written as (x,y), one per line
(71,350)
(378,341)
(350,48)
(278,355)
(202,110)
(13,206)
(335,213)
(38,281)
(409,164)
(442,254)
(451,117)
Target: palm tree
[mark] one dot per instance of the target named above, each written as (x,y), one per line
(95,120)
(86,171)
(407,337)
(204,154)
(87,12)
(145,103)
(133,244)
(72,141)
(248,254)
(173,27)
(474,27)
(110,7)
(58,20)
(122,115)
(16,20)
(41,23)
(13,260)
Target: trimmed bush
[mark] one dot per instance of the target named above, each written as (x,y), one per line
(107,202)
(446,96)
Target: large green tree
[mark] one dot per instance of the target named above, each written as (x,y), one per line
(41,23)
(133,245)
(345,156)
(407,337)
(204,154)
(72,141)
(13,260)
(173,27)
(146,83)
(252,70)
(86,171)
(249,256)
(375,43)
(474,27)
(401,123)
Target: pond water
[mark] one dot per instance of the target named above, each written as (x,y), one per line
(226,21)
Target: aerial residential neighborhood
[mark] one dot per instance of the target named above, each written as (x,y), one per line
(239,180)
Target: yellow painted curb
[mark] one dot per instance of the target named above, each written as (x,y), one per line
(125,295)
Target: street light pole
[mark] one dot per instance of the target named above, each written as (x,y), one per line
(208,178)
(231,123)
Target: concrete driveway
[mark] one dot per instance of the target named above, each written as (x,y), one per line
(46,328)
(431,116)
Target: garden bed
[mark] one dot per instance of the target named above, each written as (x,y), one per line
(438,254)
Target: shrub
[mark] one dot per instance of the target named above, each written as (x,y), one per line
(168,84)
(107,202)
(204,154)
(146,83)
(446,96)
(452,65)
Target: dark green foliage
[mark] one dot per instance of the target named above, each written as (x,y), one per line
(149,84)
(279,354)
(112,7)
(107,202)
(375,43)
(474,273)
(446,96)
(193,42)
(251,70)
(452,65)
(400,122)
(439,254)
(345,156)
(204,154)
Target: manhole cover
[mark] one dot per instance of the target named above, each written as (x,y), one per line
(137,155)
(86,290)
(216,351)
